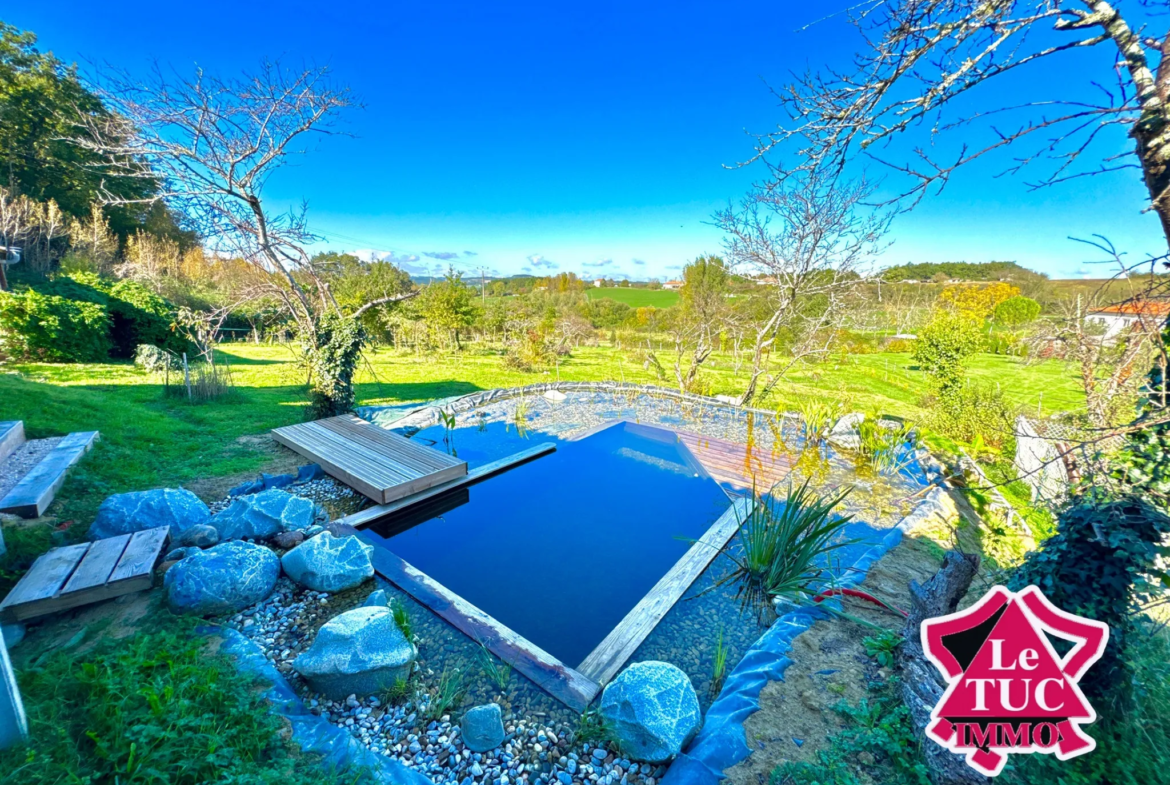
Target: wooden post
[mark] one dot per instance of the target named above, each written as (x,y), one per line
(186,376)
(13,724)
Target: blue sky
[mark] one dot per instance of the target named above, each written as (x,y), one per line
(544,137)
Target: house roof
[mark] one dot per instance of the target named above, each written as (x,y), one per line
(1144,307)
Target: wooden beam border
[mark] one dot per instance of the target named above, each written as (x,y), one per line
(546,671)
(603,663)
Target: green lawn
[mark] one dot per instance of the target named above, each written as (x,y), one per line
(150,441)
(636,298)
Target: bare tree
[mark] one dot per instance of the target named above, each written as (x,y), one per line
(804,238)
(700,317)
(212,144)
(935,68)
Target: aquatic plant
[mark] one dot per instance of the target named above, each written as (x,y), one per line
(446,695)
(448,421)
(818,417)
(592,729)
(402,619)
(784,543)
(719,669)
(885,445)
(497,671)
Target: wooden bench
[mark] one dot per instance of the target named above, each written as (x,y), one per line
(375,462)
(86,573)
(35,491)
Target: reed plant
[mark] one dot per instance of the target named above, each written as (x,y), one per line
(446,695)
(402,618)
(784,543)
(719,668)
(497,671)
(885,445)
(818,417)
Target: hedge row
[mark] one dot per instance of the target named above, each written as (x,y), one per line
(82,317)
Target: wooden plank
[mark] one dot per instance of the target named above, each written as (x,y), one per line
(604,662)
(36,490)
(356,459)
(371,514)
(11,437)
(330,467)
(390,443)
(546,671)
(142,553)
(98,563)
(47,575)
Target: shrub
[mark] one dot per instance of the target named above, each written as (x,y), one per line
(1017,311)
(532,354)
(140,316)
(1102,564)
(969,411)
(151,359)
(944,345)
(332,352)
(35,326)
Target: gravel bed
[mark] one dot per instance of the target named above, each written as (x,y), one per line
(22,460)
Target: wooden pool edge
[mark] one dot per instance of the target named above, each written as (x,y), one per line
(566,684)
(604,662)
(575,687)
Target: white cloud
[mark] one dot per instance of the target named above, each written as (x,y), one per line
(600,263)
(536,260)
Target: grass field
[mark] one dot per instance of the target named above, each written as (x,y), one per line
(150,441)
(636,298)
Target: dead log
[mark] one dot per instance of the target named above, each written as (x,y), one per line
(922,685)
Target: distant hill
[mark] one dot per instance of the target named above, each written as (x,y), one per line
(962,271)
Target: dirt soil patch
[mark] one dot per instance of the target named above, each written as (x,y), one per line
(278,460)
(830,665)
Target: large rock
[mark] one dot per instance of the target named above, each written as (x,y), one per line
(483,728)
(360,652)
(652,711)
(261,515)
(225,579)
(844,433)
(328,563)
(126,513)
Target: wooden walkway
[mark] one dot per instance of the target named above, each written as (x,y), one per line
(375,462)
(11,437)
(82,574)
(747,468)
(35,491)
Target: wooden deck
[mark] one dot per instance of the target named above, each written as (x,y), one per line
(746,468)
(371,514)
(82,574)
(375,462)
(35,491)
(604,662)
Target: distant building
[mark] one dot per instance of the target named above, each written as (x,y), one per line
(599,282)
(1118,318)
(672,285)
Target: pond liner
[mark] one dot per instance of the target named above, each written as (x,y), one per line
(306,473)
(340,752)
(722,742)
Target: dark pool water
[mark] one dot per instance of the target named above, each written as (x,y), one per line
(562,548)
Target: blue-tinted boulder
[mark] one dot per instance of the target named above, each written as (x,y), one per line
(203,535)
(482,728)
(652,711)
(378,599)
(261,515)
(225,579)
(126,513)
(328,563)
(360,652)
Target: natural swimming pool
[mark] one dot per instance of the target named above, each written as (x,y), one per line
(562,548)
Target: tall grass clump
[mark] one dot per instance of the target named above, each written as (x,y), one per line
(784,544)
(448,694)
(818,417)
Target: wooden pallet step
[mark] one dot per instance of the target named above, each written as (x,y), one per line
(35,491)
(82,574)
(11,437)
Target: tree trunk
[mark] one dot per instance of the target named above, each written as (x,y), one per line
(922,684)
